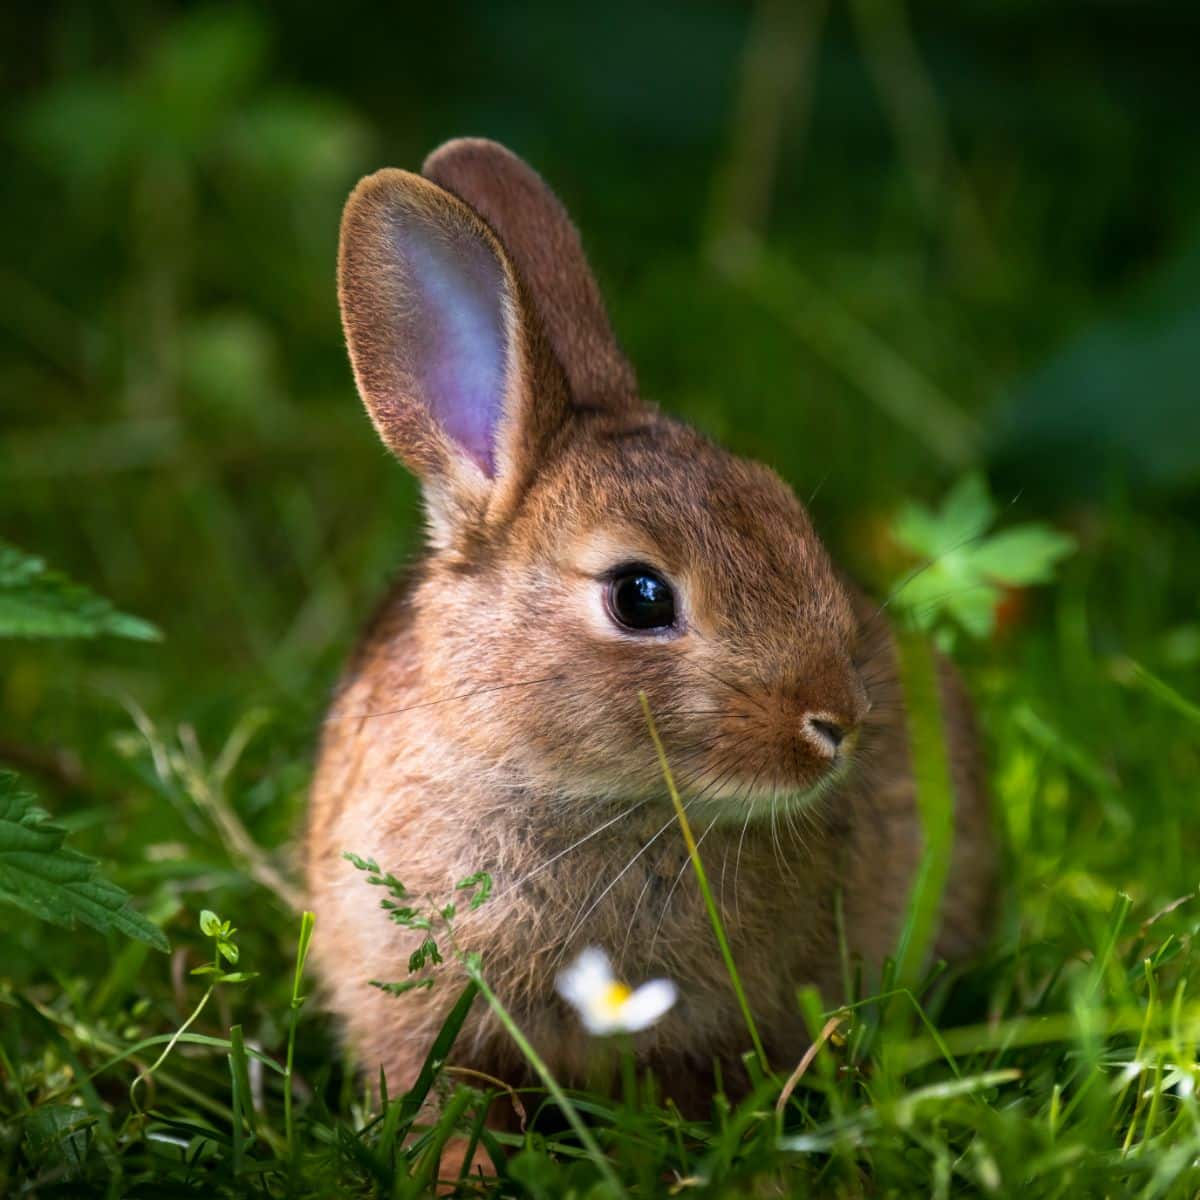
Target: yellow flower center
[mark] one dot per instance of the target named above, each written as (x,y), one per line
(613,998)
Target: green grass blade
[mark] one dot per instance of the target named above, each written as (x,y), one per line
(1128,671)
(307,922)
(239,1062)
(438,1052)
(568,1109)
(240,1096)
(935,803)
(420,1183)
(702,877)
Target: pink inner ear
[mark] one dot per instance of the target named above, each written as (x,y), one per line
(454,329)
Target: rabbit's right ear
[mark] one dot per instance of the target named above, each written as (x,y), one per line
(545,248)
(448,359)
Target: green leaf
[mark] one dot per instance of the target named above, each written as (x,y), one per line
(210,923)
(974,609)
(917,528)
(398,989)
(50,881)
(966,513)
(1117,401)
(1024,555)
(36,602)
(426,952)
(966,569)
(481,881)
(968,509)
(438,1052)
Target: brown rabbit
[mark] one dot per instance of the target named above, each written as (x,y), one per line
(584,548)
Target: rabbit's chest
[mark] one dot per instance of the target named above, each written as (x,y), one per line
(638,898)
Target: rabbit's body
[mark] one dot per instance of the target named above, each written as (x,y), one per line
(491,721)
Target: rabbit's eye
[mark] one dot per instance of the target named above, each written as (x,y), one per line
(640,598)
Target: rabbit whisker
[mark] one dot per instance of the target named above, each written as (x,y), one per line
(625,812)
(582,920)
(726,763)
(737,865)
(733,687)
(687,862)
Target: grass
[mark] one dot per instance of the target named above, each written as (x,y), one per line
(180,433)
(1064,1063)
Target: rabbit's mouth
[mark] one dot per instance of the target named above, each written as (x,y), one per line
(755,794)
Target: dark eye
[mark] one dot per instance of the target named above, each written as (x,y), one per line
(639,598)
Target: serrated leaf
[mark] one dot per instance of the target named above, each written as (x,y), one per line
(962,580)
(37,602)
(41,875)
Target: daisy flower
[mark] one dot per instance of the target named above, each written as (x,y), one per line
(604,1003)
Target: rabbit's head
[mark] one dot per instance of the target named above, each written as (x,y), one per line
(583,548)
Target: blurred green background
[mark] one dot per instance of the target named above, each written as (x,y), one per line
(875,246)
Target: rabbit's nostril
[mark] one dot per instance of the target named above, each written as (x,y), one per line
(828,734)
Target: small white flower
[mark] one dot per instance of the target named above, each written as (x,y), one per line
(604,1003)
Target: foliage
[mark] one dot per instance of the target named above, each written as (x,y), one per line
(965,567)
(36,602)
(225,948)
(919,262)
(51,881)
(422,914)
(37,872)
(1116,406)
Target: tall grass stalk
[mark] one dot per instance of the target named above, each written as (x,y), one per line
(243,1105)
(702,877)
(589,1143)
(1128,671)
(930,763)
(307,921)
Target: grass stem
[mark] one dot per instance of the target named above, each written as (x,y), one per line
(551,1084)
(935,802)
(307,921)
(705,889)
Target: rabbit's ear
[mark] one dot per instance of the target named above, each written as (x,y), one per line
(545,249)
(449,361)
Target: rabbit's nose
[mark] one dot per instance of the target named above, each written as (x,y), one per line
(825,733)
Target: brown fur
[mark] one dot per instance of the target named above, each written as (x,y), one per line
(491,721)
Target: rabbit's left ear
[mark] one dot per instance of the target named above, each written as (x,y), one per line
(448,355)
